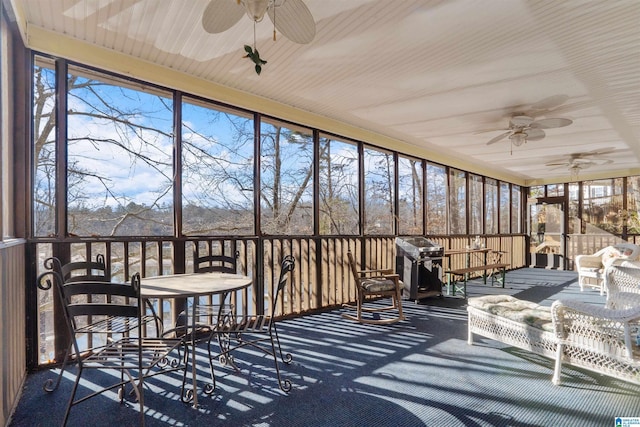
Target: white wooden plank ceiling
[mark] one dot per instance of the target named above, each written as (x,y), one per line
(443,76)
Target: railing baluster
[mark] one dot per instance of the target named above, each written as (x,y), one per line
(321,278)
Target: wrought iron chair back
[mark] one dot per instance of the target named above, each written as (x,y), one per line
(215,263)
(86,271)
(120,310)
(207,312)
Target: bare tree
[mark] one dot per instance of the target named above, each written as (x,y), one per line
(102,118)
(339,210)
(379,192)
(286,176)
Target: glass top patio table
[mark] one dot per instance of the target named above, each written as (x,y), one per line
(193,285)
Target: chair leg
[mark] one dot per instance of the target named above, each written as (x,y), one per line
(73,395)
(284,384)
(47,386)
(209,388)
(286,358)
(558,365)
(140,394)
(396,304)
(186,395)
(399,304)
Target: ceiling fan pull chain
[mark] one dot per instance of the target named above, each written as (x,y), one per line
(274,23)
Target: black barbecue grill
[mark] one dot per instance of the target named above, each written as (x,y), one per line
(419,264)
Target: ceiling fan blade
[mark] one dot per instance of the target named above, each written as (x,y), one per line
(498,138)
(550,102)
(478,132)
(550,123)
(597,152)
(535,134)
(558,164)
(220,15)
(294,21)
(556,167)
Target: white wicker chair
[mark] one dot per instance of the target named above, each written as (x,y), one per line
(622,278)
(599,338)
(591,268)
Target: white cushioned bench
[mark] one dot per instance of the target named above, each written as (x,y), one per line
(519,323)
(598,338)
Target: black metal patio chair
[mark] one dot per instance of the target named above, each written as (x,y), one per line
(258,331)
(87,271)
(120,308)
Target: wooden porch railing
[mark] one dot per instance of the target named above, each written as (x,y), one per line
(321,278)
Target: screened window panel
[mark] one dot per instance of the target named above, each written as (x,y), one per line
(632,214)
(491,206)
(410,196)
(339,183)
(516,209)
(436,199)
(574,203)
(120,157)
(537,191)
(379,192)
(476,204)
(555,190)
(505,208)
(286,179)
(44,148)
(457,202)
(602,204)
(7,173)
(217,171)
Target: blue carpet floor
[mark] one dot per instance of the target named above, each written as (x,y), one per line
(419,372)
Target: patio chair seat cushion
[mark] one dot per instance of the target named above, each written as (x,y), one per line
(374,285)
(632,264)
(525,312)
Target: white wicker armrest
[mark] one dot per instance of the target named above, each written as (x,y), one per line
(622,279)
(623,300)
(595,328)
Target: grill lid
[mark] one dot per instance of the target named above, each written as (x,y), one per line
(418,247)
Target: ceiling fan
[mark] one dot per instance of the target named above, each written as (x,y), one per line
(575,162)
(290,17)
(523,127)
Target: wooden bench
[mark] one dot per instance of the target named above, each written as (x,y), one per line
(497,273)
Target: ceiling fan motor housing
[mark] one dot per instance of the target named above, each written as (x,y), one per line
(520,120)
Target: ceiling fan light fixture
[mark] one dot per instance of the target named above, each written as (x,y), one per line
(574,170)
(518,138)
(256,9)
